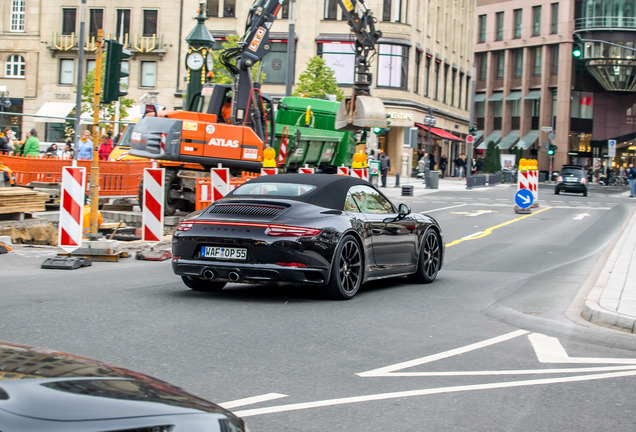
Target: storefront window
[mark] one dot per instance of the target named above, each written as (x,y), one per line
(341,58)
(392,66)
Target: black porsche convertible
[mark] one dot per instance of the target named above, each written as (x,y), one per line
(306,229)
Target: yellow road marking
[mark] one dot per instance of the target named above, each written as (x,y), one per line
(489,231)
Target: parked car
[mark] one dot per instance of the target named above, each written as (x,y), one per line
(571,179)
(325,230)
(46,390)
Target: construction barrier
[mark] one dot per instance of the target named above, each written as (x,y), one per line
(71,208)
(153,203)
(361,173)
(204,188)
(528,178)
(116,178)
(342,170)
(306,170)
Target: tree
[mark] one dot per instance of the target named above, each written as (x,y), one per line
(106,111)
(318,80)
(492,161)
(220,75)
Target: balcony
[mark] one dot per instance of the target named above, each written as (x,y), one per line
(138,45)
(605,23)
(613,66)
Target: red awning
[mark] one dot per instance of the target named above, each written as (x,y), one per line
(440,132)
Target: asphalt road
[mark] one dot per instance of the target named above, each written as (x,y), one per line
(493,345)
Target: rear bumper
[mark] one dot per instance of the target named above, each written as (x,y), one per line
(250,273)
(572,187)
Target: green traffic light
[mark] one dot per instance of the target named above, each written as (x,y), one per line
(576,52)
(377,130)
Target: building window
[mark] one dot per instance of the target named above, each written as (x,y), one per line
(275,64)
(461,86)
(69,20)
(229,11)
(555,59)
(14,66)
(341,58)
(437,66)
(418,62)
(284,10)
(392,10)
(536,20)
(123,23)
(331,9)
(17,15)
(96,22)
(518,16)
(427,83)
(446,67)
(212,9)
(554,26)
(67,71)
(518,71)
(537,61)
(483,67)
(393,62)
(148,74)
(501,63)
(453,81)
(150,22)
(499,21)
(481,38)
(90,66)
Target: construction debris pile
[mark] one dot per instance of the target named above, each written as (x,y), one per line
(21,200)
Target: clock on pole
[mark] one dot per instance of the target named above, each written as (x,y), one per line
(198,60)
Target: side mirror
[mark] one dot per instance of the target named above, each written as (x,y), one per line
(403,210)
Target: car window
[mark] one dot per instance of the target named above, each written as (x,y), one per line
(367,200)
(279,189)
(350,204)
(571,172)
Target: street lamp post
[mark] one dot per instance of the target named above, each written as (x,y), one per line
(429,121)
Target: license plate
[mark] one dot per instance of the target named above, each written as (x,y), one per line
(571,179)
(224,253)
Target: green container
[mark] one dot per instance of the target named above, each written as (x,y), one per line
(313,139)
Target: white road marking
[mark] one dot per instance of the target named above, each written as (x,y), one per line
(443,208)
(431,391)
(472,235)
(252,400)
(550,350)
(580,216)
(387,370)
(481,212)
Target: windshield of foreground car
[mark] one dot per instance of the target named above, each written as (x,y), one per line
(280,189)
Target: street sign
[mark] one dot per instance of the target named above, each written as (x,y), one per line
(547,129)
(611,148)
(470,139)
(524,198)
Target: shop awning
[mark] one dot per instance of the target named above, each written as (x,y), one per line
(514,96)
(480,97)
(439,132)
(533,94)
(57,112)
(478,135)
(494,136)
(528,140)
(509,140)
(496,97)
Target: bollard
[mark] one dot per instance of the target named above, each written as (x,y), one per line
(397,179)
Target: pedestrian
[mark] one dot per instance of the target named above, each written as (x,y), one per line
(631,176)
(32,144)
(68,151)
(86,146)
(443,163)
(105,147)
(460,164)
(431,162)
(385,166)
(421,166)
(6,143)
(479,164)
(53,150)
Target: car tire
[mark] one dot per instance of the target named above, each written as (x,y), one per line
(430,258)
(556,191)
(170,205)
(346,270)
(585,193)
(204,285)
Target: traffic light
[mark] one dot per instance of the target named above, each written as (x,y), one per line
(116,69)
(551,149)
(379,131)
(577,46)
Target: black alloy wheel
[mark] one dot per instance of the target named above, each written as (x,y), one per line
(204,285)
(346,270)
(430,259)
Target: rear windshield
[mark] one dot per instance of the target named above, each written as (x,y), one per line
(279,189)
(575,172)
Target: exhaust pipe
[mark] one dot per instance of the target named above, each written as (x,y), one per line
(208,274)
(233,276)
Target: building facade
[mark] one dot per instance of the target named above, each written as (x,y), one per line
(424,59)
(533,92)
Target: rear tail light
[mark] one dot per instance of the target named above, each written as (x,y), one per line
(185,225)
(289,231)
(583,180)
(291,264)
(560,178)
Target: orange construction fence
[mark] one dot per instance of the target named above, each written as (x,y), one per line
(120,178)
(204,188)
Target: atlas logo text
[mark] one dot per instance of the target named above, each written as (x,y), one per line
(220,142)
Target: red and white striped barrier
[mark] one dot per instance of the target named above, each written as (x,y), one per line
(342,170)
(361,173)
(152,212)
(220,182)
(282,150)
(269,171)
(72,208)
(306,170)
(529,180)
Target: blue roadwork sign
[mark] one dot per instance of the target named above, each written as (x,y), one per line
(524,198)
